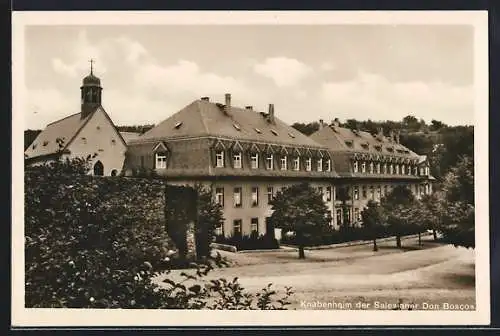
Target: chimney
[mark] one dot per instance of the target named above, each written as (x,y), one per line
(205,98)
(321,123)
(228,100)
(271,113)
(249,107)
(335,122)
(380,132)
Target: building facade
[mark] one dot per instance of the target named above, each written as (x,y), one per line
(90,131)
(243,156)
(369,166)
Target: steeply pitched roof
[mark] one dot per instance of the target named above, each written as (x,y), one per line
(344,139)
(65,129)
(204,118)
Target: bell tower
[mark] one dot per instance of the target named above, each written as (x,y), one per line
(91,92)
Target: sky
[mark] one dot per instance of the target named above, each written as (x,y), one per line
(309,72)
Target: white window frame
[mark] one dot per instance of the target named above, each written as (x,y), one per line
(239,225)
(219,159)
(356,166)
(255,196)
(160,161)
(308,164)
(270,194)
(270,162)
(363,167)
(328,193)
(397,169)
(378,167)
(254,227)
(384,169)
(356,192)
(379,192)
(296,163)
(219,196)
(391,169)
(403,170)
(371,167)
(237,160)
(254,159)
(329,165)
(320,164)
(237,202)
(320,190)
(284,163)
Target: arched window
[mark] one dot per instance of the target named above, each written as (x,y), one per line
(114,172)
(98,168)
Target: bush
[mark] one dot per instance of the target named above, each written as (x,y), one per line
(249,242)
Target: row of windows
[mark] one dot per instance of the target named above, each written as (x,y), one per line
(398,169)
(378,192)
(320,164)
(237,227)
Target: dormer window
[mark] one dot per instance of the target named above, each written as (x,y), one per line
(415,171)
(291,135)
(45,143)
(237,160)
(258,130)
(385,168)
(33,146)
(391,169)
(329,165)
(283,163)
(403,169)
(348,143)
(274,132)
(178,125)
(219,158)
(160,160)
(390,149)
(320,165)
(378,167)
(254,160)
(364,145)
(269,161)
(296,163)
(363,167)
(355,166)
(113,141)
(235,125)
(371,167)
(84,140)
(308,164)
(397,169)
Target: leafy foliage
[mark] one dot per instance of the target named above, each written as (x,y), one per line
(373,220)
(210,216)
(94,242)
(251,242)
(301,209)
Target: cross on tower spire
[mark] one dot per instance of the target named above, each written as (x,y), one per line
(91,66)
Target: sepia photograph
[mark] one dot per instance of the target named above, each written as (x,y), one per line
(314,168)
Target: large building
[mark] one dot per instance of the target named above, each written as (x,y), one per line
(368,167)
(90,131)
(244,156)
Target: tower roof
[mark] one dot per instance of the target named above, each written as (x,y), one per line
(91,79)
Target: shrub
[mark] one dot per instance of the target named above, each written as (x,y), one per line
(249,242)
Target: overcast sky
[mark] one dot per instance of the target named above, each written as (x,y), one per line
(309,72)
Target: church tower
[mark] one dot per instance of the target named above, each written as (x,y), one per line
(90,93)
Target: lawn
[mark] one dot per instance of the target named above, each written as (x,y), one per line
(433,273)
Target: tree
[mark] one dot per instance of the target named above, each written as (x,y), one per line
(429,213)
(301,209)
(436,125)
(398,205)
(210,216)
(458,204)
(306,129)
(373,218)
(411,123)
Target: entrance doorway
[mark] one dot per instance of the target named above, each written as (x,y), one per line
(98,169)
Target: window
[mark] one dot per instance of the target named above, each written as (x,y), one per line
(385,168)
(237,126)
(237,197)
(291,135)
(274,132)
(177,125)
(258,130)
(320,191)
(142,161)
(161,161)
(364,192)
(403,169)
(391,169)
(339,216)
(237,160)
(355,166)
(114,172)
(219,196)
(255,196)
(328,165)
(320,165)
(410,170)
(270,194)
(296,163)
(254,159)
(397,169)
(427,171)
(356,192)
(84,140)
(113,141)
(269,162)
(421,171)
(237,227)
(385,191)
(378,167)
(283,163)
(371,167)
(427,189)
(219,158)
(357,217)
(328,194)
(379,192)
(219,230)
(254,225)
(308,164)
(415,171)
(372,193)
(363,167)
